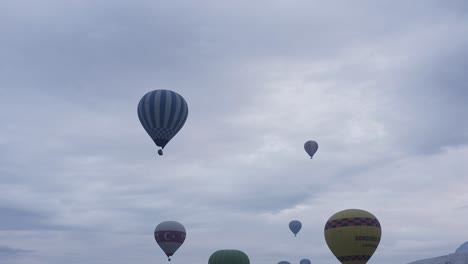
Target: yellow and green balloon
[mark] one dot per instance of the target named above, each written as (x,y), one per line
(353,235)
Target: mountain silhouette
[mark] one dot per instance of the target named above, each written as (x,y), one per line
(463,248)
(460,256)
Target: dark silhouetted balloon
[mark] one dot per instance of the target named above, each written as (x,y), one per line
(295,226)
(311,147)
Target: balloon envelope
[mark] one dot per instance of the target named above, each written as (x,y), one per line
(295,226)
(169,235)
(305,261)
(311,147)
(229,256)
(353,235)
(284,262)
(162,114)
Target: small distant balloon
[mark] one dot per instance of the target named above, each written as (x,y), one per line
(295,226)
(284,262)
(162,114)
(311,147)
(305,261)
(353,235)
(169,235)
(229,256)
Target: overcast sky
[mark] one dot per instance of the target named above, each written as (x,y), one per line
(380,85)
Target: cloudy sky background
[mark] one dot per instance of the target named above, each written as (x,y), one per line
(381,85)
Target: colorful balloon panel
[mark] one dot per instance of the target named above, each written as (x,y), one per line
(353,235)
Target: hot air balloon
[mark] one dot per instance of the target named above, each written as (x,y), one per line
(284,262)
(295,226)
(305,261)
(229,256)
(162,114)
(169,235)
(353,235)
(311,147)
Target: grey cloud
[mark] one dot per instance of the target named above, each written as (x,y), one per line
(21,219)
(378,85)
(440,91)
(9,252)
(463,207)
(118,42)
(16,219)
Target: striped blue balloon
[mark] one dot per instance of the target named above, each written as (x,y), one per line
(162,113)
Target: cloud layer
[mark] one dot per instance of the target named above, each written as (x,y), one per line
(381,87)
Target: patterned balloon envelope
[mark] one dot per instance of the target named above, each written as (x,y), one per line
(162,114)
(353,235)
(170,235)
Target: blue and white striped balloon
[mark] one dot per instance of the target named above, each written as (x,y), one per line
(162,113)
